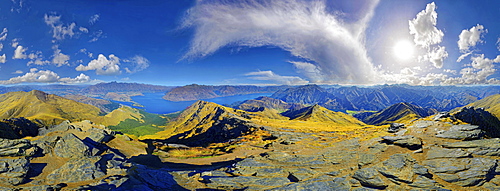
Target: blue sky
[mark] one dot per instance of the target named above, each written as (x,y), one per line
(293,42)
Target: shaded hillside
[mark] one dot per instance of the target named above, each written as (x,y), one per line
(105,105)
(197,92)
(262,102)
(17,128)
(206,122)
(490,103)
(103,88)
(313,94)
(401,112)
(49,108)
(478,116)
(320,114)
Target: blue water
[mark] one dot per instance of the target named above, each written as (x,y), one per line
(154,103)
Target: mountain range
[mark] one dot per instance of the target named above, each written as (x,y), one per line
(197,92)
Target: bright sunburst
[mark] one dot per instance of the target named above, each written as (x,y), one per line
(403,50)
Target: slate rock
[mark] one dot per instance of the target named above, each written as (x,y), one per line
(13,171)
(395,127)
(370,177)
(71,146)
(462,171)
(488,147)
(437,152)
(16,147)
(462,132)
(407,141)
(340,184)
(401,168)
(77,170)
(157,179)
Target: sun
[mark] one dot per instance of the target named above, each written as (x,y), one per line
(403,50)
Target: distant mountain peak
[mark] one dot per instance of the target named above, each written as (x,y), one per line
(399,112)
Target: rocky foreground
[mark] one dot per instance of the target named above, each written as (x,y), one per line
(435,153)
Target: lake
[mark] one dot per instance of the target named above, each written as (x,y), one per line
(154,103)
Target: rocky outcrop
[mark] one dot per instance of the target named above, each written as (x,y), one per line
(487,147)
(407,141)
(77,170)
(461,132)
(71,146)
(13,171)
(484,119)
(16,147)
(463,171)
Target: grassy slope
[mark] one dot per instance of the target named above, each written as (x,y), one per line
(51,109)
(490,104)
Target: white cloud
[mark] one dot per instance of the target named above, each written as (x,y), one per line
(1,46)
(3,35)
(94,18)
(18,72)
(437,56)
(139,63)
(479,72)
(82,78)
(19,53)
(14,43)
(37,59)
(44,76)
(423,27)
(304,28)
(103,66)
(59,31)
(59,58)
(3,59)
(469,38)
(271,76)
(83,29)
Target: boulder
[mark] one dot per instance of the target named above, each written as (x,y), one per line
(13,171)
(437,152)
(462,132)
(488,147)
(484,119)
(370,177)
(398,167)
(395,127)
(77,170)
(71,146)
(407,141)
(16,147)
(462,171)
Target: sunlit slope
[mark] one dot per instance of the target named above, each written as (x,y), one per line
(398,113)
(49,108)
(205,122)
(490,104)
(317,113)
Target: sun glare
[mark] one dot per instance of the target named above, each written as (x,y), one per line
(403,50)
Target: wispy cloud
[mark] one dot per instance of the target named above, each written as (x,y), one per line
(94,18)
(304,28)
(138,63)
(273,77)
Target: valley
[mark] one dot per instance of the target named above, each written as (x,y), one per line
(302,137)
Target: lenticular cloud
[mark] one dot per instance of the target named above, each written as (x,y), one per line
(304,28)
